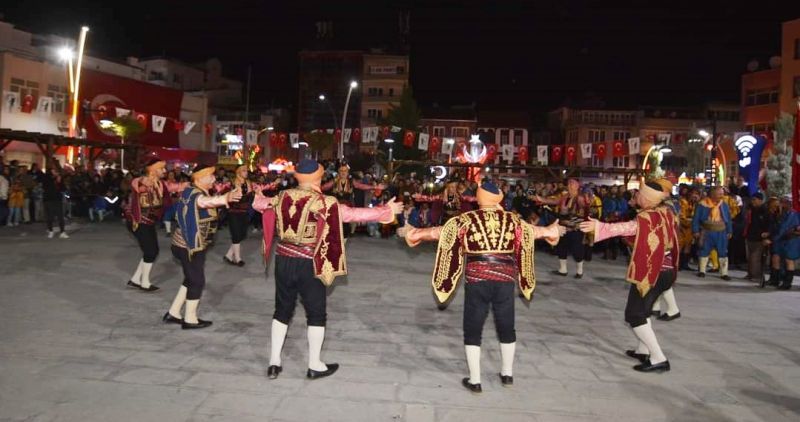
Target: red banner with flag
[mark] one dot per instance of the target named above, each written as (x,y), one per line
(337,135)
(356,135)
(491,152)
(556,152)
(142,118)
(571,153)
(435,146)
(600,151)
(619,150)
(386,133)
(408,139)
(523,154)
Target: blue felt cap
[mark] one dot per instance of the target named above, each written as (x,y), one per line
(307,166)
(490,187)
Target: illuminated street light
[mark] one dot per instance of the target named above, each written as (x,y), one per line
(354,84)
(66,53)
(704,133)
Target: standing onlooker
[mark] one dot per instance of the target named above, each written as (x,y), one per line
(28,183)
(53,204)
(4,181)
(756,230)
(16,200)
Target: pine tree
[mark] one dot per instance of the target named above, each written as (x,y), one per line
(405,115)
(779,164)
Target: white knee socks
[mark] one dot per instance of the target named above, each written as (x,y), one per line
(723,266)
(231,254)
(562,266)
(177,303)
(237,252)
(137,275)
(146,267)
(579,267)
(647,336)
(278,337)
(507,356)
(167,224)
(191,311)
(316,335)
(703,262)
(474,363)
(669,299)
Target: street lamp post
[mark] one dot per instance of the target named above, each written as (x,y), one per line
(353,85)
(333,113)
(389,141)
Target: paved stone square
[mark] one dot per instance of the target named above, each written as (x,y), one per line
(76,345)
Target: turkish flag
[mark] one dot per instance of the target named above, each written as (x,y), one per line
(178,125)
(273,139)
(556,152)
(386,132)
(491,152)
(27,104)
(678,138)
(356,135)
(600,151)
(408,139)
(435,145)
(239,132)
(142,118)
(337,135)
(572,152)
(619,151)
(282,140)
(523,154)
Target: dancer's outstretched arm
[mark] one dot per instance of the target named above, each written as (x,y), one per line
(603,231)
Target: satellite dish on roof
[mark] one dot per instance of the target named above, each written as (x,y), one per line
(752,66)
(775,62)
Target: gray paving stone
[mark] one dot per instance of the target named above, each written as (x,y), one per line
(99,352)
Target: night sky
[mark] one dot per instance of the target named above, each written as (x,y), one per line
(522,55)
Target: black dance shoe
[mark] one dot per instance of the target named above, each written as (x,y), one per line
(641,357)
(229,261)
(171,319)
(312,374)
(701,275)
(578,276)
(666,317)
(475,388)
(556,272)
(655,313)
(149,289)
(200,324)
(506,380)
(273,371)
(240,263)
(646,366)
(725,277)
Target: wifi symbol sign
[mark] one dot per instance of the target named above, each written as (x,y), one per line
(745,144)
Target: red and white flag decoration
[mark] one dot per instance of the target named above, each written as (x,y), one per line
(423,141)
(435,146)
(556,153)
(619,150)
(158,123)
(572,153)
(447,146)
(371,134)
(600,151)
(337,135)
(188,127)
(273,139)
(385,133)
(664,138)
(121,112)
(251,136)
(522,154)
(142,119)
(408,138)
(347,133)
(586,151)
(541,154)
(45,105)
(491,152)
(294,140)
(27,104)
(178,125)
(10,101)
(633,146)
(357,135)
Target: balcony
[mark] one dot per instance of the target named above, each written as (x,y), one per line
(380,99)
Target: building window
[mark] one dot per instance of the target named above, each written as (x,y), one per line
(572,137)
(391,92)
(621,162)
(597,136)
(797,86)
(401,70)
(438,131)
(59,95)
(797,49)
(621,135)
(504,137)
(460,132)
(759,129)
(517,138)
(24,88)
(596,161)
(761,96)
(374,113)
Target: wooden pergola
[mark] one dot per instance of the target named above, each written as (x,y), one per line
(48,143)
(539,173)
